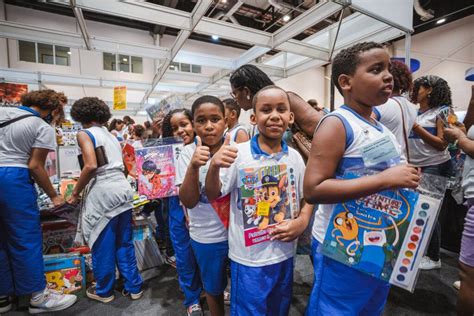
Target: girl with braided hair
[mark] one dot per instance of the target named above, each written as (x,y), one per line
(428,149)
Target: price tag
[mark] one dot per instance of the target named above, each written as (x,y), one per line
(263,208)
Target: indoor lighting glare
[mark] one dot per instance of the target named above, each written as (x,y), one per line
(441,21)
(286,18)
(224,1)
(215,37)
(125,59)
(69,53)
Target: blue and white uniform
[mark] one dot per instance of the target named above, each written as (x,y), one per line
(262,273)
(21,246)
(207,231)
(234,131)
(333,291)
(421,153)
(106,219)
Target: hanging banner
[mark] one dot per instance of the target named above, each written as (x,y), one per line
(120,98)
(10,93)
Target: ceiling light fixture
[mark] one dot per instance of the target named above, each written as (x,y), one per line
(286,18)
(215,37)
(440,21)
(125,59)
(224,1)
(69,53)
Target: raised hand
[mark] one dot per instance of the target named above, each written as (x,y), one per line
(201,154)
(226,155)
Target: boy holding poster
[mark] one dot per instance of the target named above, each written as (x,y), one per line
(347,138)
(265,180)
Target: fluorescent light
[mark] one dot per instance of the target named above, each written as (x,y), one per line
(69,53)
(215,37)
(224,1)
(440,21)
(125,59)
(286,18)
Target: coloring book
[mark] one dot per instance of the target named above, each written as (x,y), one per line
(383,235)
(268,195)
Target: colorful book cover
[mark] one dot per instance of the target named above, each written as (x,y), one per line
(65,273)
(268,195)
(156,171)
(383,235)
(66,187)
(128,153)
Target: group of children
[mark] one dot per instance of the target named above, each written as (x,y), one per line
(213,171)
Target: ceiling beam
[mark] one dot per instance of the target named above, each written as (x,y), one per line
(82,24)
(198,12)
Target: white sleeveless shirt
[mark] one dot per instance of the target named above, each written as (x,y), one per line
(102,137)
(359,133)
(421,153)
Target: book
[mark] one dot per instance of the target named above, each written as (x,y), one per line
(383,235)
(268,197)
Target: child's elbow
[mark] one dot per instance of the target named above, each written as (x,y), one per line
(310,196)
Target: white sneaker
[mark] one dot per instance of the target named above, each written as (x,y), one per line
(5,304)
(133,296)
(457,285)
(428,264)
(51,302)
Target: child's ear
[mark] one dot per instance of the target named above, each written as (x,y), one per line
(292,118)
(345,82)
(253,119)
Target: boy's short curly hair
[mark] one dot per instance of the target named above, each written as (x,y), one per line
(44,99)
(90,109)
(347,60)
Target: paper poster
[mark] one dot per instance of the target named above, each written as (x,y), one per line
(156,171)
(383,235)
(120,98)
(268,195)
(128,153)
(11,93)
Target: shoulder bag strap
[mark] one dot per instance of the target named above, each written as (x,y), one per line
(15,120)
(404,128)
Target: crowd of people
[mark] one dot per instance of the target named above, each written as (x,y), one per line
(316,147)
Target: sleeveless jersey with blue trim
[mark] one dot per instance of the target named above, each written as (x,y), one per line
(234,130)
(421,153)
(102,137)
(359,133)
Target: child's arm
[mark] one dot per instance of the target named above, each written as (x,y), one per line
(306,117)
(223,158)
(327,150)
(464,143)
(291,229)
(242,136)
(437,141)
(189,190)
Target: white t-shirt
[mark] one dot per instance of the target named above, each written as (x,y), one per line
(102,137)
(19,138)
(248,243)
(359,133)
(421,153)
(205,226)
(390,115)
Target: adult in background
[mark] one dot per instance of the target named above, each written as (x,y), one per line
(428,149)
(245,82)
(129,126)
(117,128)
(26,138)
(398,114)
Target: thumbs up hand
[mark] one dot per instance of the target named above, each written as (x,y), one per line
(226,155)
(201,154)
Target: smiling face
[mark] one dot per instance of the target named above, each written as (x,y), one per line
(182,127)
(272,113)
(209,124)
(372,82)
(347,225)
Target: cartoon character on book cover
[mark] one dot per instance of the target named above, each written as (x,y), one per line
(268,197)
(156,171)
(367,233)
(128,154)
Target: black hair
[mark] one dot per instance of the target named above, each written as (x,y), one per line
(440,94)
(255,97)
(347,60)
(232,105)
(166,128)
(402,78)
(251,77)
(90,109)
(207,99)
(149,165)
(138,130)
(128,120)
(113,124)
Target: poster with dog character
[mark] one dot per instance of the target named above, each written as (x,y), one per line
(268,197)
(156,170)
(383,235)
